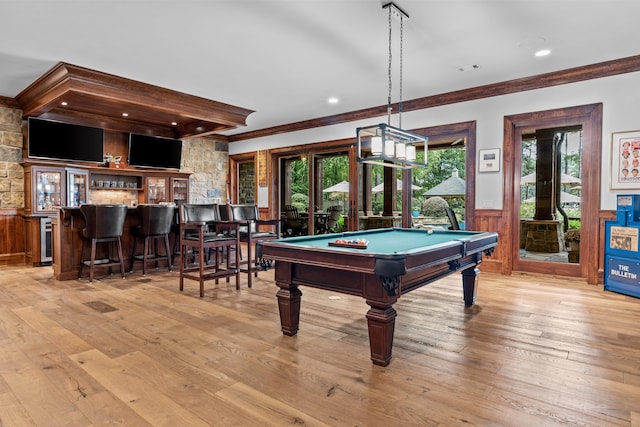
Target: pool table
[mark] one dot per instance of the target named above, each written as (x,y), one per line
(395,261)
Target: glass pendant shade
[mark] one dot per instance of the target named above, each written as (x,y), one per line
(376,145)
(411,153)
(401,150)
(389,148)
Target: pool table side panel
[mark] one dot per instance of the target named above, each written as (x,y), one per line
(363,262)
(365,285)
(418,277)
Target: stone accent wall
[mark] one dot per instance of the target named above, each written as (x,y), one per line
(208,162)
(11,173)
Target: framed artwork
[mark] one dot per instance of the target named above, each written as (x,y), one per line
(625,160)
(489,160)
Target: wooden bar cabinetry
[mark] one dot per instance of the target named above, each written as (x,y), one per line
(163,189)
(53,185)
(48,187)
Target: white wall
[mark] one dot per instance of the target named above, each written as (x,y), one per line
(621,112)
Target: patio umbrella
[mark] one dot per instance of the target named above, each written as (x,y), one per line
(341,187)
(380,187)
(564,179)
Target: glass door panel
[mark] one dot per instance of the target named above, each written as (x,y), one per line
(48,190)
(180,190)
(77,187)
(156,190)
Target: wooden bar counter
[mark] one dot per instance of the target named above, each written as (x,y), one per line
(67,243)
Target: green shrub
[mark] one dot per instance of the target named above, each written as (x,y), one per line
(435,207)
(300,201)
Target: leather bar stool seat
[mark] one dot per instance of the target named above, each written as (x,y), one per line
(103,224)
(155,224)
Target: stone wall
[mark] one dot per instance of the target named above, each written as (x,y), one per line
(207,161)
(11,173)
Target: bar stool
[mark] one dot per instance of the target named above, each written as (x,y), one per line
(103,224)
(251,233)
(155,223)
(201,229)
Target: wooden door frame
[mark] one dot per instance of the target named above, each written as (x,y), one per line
(466,131)
(590,118)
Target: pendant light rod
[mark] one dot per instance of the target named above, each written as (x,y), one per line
(383,144)
(400,15)
(396,12)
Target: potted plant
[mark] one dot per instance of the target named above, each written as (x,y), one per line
(572,239)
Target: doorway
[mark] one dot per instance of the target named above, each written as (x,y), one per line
(587,121)
(550,195)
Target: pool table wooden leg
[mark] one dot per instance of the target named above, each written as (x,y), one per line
(381,319)
(470,285)
(289,306)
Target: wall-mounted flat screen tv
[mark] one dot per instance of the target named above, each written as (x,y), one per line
(154,152)
(64,141)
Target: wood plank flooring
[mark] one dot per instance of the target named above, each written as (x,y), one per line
(534,351)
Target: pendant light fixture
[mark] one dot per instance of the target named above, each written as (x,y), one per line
(383,144)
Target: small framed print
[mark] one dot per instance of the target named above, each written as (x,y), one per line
(625,160)
(489,160)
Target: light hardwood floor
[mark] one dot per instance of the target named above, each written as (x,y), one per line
(534,351)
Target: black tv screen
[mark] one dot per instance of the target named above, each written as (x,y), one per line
(64,141)
(154,152)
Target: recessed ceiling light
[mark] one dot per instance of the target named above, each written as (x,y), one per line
(174,124)
(543,52)
(64,103)
(333,100)
(125,114)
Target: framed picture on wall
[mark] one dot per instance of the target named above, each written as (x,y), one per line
(625,160)
(489,160)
